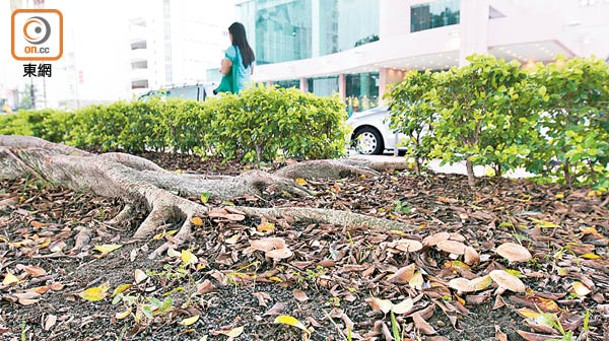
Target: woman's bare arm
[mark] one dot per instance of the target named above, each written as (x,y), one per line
(225,66)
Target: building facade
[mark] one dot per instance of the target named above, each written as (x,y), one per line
(175,41)
(357,47)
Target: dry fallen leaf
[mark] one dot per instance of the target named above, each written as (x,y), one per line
(435,238)
(471,256)
(403,275)
(189,321)
(265,227)
(206,287)
(276,309)
(300,295)
(451,246)
(49,321)
(233,333)
(378,304)
(266,244)
(580,289)
(279,254)
(124,314)
(291,321)
(140,276)
(403,307)
(94,294)
(408,245)
(508,281)
(514,252)
(461,284)
(9,279)
(417,280)
(422,325)
(107,248)
(34,271)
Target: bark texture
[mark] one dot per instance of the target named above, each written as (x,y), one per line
(139,182)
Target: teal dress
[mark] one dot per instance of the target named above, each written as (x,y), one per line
(238,76)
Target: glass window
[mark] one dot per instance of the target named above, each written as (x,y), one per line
(292,83)
(362,91)
(345,24)
(282,29)
(324,86)
(186,92)
(434,14)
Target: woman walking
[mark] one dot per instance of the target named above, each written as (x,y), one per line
(238,63)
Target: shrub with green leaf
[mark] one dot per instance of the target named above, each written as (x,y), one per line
(552,120)
(573,101)
(261,124)
(413,114)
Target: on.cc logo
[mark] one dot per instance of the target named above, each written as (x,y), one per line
(37,34)
(36,30)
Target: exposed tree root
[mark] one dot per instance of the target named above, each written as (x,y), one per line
(138,181)
(325,216)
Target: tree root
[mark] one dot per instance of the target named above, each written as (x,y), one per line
(138,181)
(325,216)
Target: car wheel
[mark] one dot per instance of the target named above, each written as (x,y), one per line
(368,141)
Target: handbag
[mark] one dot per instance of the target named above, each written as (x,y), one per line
(228,83)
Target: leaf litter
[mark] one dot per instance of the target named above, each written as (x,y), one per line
(477,265)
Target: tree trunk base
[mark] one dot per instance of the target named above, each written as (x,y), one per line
(140,182)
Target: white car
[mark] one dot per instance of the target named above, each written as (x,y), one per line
(371,132)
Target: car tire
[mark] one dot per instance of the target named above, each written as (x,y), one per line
(368,141)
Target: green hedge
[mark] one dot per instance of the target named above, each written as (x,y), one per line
(260,124)
(552,120)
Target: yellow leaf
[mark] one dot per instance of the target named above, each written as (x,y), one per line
(205,197)
(528,313)
(417,280)
(514,272)
(196,221)
(291,321)
(301,181)
(189,321)
(9,279)
(580,289)
(120,316)
(233,333)
(107,248)
(232,240)
(265,227)
(188,258)
(481,283)
(594,193)
(490,172)
(159,235)
(545,224)
(560,195)
(93,294)
(120,289)
(590,256)
(276,279)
